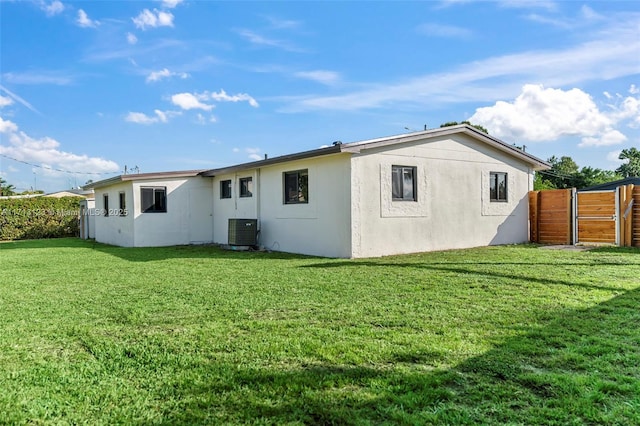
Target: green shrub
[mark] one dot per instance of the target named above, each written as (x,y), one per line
(40,217)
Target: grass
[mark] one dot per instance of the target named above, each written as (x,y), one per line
(94,334)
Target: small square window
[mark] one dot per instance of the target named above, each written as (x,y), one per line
(225,189)
(403,183)
(296,187)
(246,187)
(498,187)
(154,200)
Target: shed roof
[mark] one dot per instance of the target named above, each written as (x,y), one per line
(613,185)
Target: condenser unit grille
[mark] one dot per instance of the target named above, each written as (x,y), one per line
(243,232)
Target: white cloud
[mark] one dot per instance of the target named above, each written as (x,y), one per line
(190,101)
(5,101)
(165,73)
(142,118)
(539,114)
(261,40)
(282,24)
(53,8)
(84,21)
(223,97)
(253,153)
(609,137)
(148,19)
(320,76)
(131,38)
(447,31)
(19,99)
(46,152)
(546,114)
(7,126)
(170,4)
(35,77)
(201,119)
(627,108)
(634,90)
(549,5)
(613,156)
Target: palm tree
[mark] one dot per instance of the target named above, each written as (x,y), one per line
(6,188)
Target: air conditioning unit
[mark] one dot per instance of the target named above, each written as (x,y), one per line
(243,232)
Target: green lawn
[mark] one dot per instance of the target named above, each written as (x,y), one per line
(94,334)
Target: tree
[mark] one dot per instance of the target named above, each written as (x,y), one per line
(455,123)
(562,173)
(632,167)
(589,176)
(6,188)
(565,173)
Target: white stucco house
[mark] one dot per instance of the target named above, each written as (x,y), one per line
(453,187)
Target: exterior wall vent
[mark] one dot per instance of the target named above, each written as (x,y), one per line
(243,232)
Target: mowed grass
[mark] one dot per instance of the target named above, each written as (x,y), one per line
(94,334)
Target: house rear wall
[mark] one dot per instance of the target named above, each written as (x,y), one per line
(453,208)
(320,227)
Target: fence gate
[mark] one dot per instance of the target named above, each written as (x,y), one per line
(596,215)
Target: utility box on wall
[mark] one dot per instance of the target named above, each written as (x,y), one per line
(243,232)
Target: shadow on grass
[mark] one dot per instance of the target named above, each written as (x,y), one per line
(477,269)
(579,368)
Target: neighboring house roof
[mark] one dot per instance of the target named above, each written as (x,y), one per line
(71,193)
(142,176)
(357,147)
(613,185)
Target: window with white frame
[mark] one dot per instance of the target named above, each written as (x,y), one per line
(404,183)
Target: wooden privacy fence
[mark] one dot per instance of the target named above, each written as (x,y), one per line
(567,216)
(635,217)
(550,216)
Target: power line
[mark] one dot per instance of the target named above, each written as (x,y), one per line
(55,169)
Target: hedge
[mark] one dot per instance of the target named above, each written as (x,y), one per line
(39,217)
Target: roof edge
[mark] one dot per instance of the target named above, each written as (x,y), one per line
(334,149)
(538,163)
(142,176)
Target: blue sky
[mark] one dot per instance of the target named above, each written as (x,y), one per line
(89,87)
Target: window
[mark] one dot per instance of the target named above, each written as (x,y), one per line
(154,200)
(105,204)
(246,187)
(296,187)
(403,183)
(123,205)
(225,189)
(498,187)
